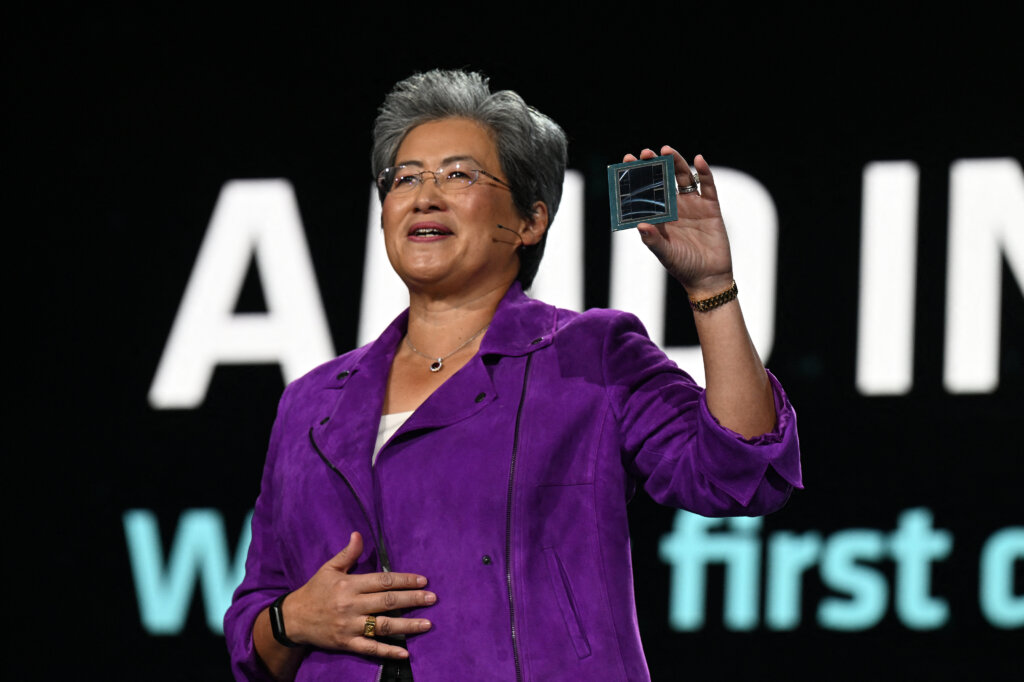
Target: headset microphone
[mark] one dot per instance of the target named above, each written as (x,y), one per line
(502,227)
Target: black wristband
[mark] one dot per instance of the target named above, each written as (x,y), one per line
(277,622)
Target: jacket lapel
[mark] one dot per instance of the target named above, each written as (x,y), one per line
(346,433)
(521,325)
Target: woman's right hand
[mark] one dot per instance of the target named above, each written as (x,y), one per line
(330,610)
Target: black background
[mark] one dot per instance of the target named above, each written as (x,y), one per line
(122,128)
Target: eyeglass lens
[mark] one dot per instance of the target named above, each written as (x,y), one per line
(406,178)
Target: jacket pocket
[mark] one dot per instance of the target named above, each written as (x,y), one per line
(562,589)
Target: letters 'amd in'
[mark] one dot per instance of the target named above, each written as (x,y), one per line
(260,218)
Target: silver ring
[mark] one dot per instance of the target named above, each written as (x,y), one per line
(686,189)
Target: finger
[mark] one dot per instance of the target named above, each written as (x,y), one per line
(395,599)
(647,154)
(371,647)
(386,626)
(382,582)
(627,158)
(684,176)
(707,181)
(345,559)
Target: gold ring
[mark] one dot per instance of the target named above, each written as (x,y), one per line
(370,628)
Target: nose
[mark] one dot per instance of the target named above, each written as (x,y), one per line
(428,195)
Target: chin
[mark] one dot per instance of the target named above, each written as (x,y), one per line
(425,279)
(421,269)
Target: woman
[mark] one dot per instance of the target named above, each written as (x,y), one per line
(484,534)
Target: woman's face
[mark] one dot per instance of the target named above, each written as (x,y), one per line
(447,242)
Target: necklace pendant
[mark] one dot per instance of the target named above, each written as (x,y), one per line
(436,365)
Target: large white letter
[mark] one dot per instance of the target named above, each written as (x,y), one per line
(383,293)
(986,217)
(638,279)
(258,217)
(559,280)
(888,268)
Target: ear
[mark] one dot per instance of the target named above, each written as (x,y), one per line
(534,226)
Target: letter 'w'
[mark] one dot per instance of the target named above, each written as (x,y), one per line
(164,590)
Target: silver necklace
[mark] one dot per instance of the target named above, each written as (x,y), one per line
(437,363)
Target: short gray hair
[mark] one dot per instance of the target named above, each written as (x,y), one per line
(531,147)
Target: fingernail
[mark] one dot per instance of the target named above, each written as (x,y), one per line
(425,625)
(430,597)
(421,581)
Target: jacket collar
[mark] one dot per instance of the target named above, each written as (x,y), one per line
(521,325)
(347,433)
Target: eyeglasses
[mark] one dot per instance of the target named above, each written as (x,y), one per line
(403,179)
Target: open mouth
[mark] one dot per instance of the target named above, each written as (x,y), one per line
(429,230)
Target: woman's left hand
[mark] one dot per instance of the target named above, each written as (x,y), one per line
(695,247)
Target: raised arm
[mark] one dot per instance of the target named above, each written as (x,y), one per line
(695,250)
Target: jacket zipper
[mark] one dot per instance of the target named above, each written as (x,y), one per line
(385,563)
(380,668)
(366,514)
(508,525)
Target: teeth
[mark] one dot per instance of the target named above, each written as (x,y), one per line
(427,232)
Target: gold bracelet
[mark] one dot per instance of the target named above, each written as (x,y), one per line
(706,304)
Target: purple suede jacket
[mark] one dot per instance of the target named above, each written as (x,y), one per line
(507,488)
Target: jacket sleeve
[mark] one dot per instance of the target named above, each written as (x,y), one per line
(674,445)
(264,576)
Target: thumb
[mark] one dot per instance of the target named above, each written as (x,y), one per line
(658,244)
(652,238)
(345,559)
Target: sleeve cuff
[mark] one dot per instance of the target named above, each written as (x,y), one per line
(739,465)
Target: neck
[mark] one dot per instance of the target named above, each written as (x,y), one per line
(438,325)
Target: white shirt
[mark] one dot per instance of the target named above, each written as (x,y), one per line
(389,423)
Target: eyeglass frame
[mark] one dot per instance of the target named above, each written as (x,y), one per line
(419,179)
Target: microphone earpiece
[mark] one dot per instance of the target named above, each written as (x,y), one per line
(521,244)
(507,229)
